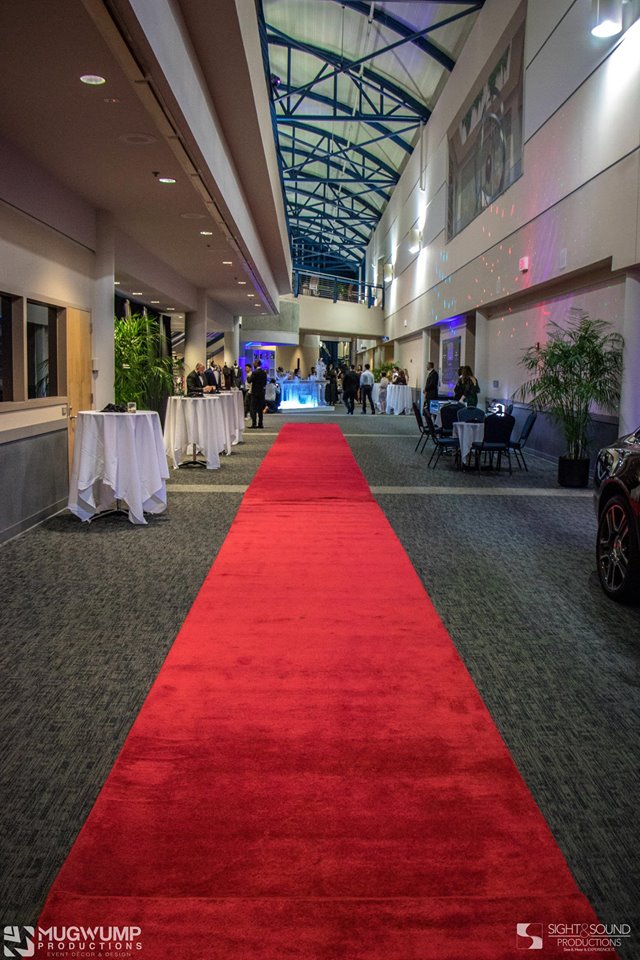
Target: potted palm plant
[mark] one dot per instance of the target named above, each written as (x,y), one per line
(142,374)
(579,367)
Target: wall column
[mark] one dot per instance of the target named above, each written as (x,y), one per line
(195,334)
(481,361)
(102,313)
(630,395)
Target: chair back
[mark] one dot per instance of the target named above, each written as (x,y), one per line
(418,416)
(448,416)
(528,427)
(497,429)
(509,408)
(431,427)
(471,414)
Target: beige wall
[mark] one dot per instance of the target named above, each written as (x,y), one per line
(573,210)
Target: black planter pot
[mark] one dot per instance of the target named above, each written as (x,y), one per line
(573,473)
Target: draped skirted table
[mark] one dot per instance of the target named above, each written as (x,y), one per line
(118,457)
(399,399)
(214,423)
(467,433)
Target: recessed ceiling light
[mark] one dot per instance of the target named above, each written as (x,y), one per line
(251,294)
(170,308)
(166,179)
(116,283)
(227,263)
(112,100)
(192,216)
(242,283)
(136,293)
(206,233)
(154,301)
(92,79)
(137,139)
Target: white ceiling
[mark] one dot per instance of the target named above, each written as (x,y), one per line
(110,143)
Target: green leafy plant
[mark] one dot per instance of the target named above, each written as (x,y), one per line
(142,374)
(580,366)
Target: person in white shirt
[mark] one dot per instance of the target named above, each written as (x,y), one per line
(366,388)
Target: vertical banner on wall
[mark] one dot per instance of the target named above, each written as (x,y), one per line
(450,360)
(485,140)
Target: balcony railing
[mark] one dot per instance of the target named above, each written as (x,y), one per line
(337,288)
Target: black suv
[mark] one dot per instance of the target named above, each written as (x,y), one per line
(617,480)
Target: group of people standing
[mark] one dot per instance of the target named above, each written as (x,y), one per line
(466,388)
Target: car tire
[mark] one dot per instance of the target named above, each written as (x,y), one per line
(617,553)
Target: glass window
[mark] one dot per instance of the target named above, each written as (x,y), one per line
(6,392)
(41,350)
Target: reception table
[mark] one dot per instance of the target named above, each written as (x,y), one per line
(212,423)
(118,458)
(399,399)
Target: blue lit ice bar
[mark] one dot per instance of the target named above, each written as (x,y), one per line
(302,394)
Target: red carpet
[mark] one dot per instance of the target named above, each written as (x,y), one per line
(322,780)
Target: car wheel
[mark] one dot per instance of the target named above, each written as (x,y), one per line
(617,552)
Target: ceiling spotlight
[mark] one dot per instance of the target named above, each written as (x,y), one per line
(92,79)
(166,180)
(227,263)
(136,293)
(206,233)
(607,18)
(154,301)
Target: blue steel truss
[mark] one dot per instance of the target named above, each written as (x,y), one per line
(336,183)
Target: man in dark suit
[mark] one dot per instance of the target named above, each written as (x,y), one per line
(212,377)
(258,391)
(431,385)
(196,382)
(350,388)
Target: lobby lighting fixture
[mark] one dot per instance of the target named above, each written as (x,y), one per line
(116,283)
(242,283)
(166,180)
(607,18)
(251,294)
(206,233)
(415,240)
(388,272)
(227,263)
(136,293)
(170,308)
(92,79)
(154,301)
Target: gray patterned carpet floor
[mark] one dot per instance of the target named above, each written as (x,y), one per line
(88,613)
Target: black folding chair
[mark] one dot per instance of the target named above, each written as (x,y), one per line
(517,445)
(497,436)
(424,433)
(448,416)
(441,444)
(471,414)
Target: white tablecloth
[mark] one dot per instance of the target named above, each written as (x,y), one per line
(214,423)
(399,399)
(118,457)
(467,432)
(232,405)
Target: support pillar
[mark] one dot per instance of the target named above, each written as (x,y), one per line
(481,344)
(630,395)
(102,313)
(195,334)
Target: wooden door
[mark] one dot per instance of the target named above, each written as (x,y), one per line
(79,375)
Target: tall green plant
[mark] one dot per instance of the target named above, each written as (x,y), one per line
(142,375)
(580,366)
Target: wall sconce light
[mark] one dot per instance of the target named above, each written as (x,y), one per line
(607,18)
(388,272)
(415,240)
